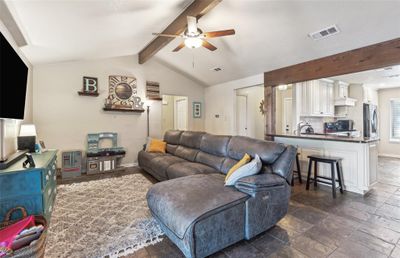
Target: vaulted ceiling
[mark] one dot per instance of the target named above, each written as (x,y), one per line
(269,34)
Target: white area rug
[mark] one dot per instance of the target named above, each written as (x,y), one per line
(107,217)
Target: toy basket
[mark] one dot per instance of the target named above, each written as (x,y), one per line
(34,250)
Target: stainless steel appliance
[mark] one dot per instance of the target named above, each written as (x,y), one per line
(339,126)
(370,115)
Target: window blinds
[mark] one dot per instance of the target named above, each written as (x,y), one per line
(395,119)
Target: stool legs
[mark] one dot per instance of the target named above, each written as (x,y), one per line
(298,168)
(308,175)
(340,175)
(333,179)
(315,173)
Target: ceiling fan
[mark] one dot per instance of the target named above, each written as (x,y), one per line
(195,37)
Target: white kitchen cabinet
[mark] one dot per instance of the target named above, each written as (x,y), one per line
(341,90)
(316,98)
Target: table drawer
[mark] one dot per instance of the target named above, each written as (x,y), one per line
(33,205)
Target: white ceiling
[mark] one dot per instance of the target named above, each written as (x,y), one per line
(388,77)
(269,34)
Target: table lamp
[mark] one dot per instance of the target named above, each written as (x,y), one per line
(27,137)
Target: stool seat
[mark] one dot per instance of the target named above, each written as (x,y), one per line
(325,159)
(335,162)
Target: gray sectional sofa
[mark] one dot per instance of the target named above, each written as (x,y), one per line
(194,208)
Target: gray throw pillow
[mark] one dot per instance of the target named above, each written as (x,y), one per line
(249,169)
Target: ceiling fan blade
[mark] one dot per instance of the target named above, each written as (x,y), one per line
(209,46)
(167,35)
(192,25)
(179,47)
(219,33)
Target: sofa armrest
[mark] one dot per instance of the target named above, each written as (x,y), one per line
(261,182)
(283,166)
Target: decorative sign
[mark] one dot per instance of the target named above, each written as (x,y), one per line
(153,90)
(262,107)
(197,109)
(122,95)
(90,87)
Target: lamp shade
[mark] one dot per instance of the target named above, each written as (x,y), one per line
(193,42)
(27,130)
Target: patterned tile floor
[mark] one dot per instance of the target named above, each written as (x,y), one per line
(319,226)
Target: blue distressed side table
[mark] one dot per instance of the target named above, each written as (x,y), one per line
(32,188)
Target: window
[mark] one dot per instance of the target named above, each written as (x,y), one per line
(395,120)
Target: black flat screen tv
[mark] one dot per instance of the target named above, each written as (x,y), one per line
(13,78)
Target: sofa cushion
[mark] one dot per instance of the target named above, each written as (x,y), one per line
(268,151)
(160,164)
(210,160)
(172,136)
(187,169)
(191,139)
(186,153)
(215,144)
(181,202)
(171,148)
(227,164)
(145,157)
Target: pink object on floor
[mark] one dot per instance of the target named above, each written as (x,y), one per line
(9,233)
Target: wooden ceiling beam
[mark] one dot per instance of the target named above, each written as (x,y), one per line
(198,9)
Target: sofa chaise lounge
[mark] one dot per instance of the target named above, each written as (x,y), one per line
(192,205)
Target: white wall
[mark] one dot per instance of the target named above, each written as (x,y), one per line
(220,101)
(12,126)
(385,147)
(63,118)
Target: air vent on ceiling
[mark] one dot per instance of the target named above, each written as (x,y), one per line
(326,32)
(216,69)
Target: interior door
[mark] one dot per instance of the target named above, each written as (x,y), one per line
(181,114)
(241,115)
(287,115)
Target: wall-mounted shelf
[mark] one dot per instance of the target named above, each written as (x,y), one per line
(124,110)
(91,94)
(154,98)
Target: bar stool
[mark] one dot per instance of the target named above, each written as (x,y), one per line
(330,160)
(298,171)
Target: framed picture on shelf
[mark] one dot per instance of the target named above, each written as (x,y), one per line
(196,109)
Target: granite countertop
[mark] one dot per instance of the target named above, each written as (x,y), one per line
(328,137)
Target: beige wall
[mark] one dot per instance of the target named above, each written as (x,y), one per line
(12,126)
(63,118)
(220,101)
(385,147)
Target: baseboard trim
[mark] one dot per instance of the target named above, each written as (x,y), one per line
(127,165)
(386,155)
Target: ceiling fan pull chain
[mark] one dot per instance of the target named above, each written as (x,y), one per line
(192,59)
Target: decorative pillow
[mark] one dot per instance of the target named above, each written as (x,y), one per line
(148,141)
(251,168)
(246,158)
(157,146)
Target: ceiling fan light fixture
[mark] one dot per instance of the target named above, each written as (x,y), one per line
(193,42)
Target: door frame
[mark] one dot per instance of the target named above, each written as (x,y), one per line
(186,99)
(246,112)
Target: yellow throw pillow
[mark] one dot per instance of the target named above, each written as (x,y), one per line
(246,158)
(157,146)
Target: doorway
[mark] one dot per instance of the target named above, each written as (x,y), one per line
(241,115)
(174,113)
(287,125)
(250,111)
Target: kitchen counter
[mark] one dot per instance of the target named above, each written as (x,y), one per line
(359,157)
(327,137)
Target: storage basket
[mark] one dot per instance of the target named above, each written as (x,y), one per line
(35,250)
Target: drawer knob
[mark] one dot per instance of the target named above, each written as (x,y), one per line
(54,166)
(55,178)
(49,172)
(47,177)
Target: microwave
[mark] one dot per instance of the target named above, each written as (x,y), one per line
(339,126)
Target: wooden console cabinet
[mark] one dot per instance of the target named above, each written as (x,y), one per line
(32,188)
